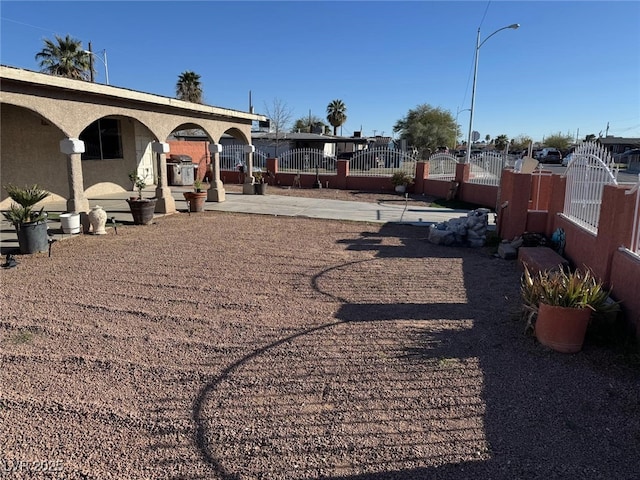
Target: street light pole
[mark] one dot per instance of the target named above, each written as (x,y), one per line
(103,60)
(458,112)
(475,76)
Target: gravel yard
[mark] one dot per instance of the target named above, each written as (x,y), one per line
(231,346)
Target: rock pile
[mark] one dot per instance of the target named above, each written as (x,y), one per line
(470,231)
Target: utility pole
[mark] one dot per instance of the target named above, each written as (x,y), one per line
(90,62)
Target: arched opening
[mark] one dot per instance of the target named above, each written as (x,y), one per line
(115,147)
(31,153)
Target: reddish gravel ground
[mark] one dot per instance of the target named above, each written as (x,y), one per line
(230,346)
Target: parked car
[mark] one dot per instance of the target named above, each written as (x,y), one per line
(568,157)
(626,156)
(550,155)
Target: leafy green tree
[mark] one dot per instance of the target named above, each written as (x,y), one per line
(487,137)
(306,124)
(336,114)
(188,87)
(427,128)
(559,141)
(64,57)
(500,142)
(521,142)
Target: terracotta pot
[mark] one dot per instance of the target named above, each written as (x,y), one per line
(196,200)
(562,328)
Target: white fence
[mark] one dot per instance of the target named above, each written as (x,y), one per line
(306,160)
(590,169)
(442,166)
(234,155)
(381,162)
(486,168)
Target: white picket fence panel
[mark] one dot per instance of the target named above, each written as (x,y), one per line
(442,166)
(486,168)
(590,169)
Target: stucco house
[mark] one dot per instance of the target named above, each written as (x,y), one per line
(76,138)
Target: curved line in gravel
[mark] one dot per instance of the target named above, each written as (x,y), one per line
(200,437)
(201,442)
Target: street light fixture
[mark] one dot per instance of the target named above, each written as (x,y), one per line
(103,60)
(475,75)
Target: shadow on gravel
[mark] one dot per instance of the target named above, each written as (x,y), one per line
(451,383)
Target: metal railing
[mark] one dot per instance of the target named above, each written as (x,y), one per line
(234,155)
(381,162)
(442,166)
(306,160)
(486,168)
(590,169)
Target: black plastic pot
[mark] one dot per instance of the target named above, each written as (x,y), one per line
(142,210)
(260,188)
(33,238)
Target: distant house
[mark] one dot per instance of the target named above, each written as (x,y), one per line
(619,144)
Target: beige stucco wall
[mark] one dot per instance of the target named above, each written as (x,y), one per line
(30,153)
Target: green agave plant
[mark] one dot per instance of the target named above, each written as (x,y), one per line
(577,289)
(22,211)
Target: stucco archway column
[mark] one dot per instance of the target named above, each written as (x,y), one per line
(77,202)
(216,192)
(165,202)
(248,188)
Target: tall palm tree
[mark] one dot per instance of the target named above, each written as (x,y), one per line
(65,57)
(189,87)
(336,114)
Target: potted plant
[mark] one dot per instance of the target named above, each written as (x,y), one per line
(30,225)
(401,180)
(260,185)
(558,306)
(141,208)
(196,199)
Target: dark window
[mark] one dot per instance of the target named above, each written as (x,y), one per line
(102,140)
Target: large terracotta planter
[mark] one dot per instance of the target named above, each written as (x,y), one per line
(561,328)
(196,200)
(142,210)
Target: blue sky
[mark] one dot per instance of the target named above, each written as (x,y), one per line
(572,67)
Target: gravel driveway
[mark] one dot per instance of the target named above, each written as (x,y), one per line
(231,346)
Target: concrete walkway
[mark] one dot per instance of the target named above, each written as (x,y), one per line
(272,204)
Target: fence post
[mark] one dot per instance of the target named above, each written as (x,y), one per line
(342,169)
(422,172)
(614,228)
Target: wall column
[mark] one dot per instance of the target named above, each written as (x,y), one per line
(248,188)
(216,192)
(77,202)
(165,202)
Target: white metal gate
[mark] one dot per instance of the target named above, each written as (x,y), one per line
(442,166)
(381,162)
(301,160)
(486,168)
(590,169)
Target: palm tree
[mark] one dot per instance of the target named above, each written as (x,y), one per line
(189,87)
(65,57)
(336,114)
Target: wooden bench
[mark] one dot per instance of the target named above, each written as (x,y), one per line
(539,259)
